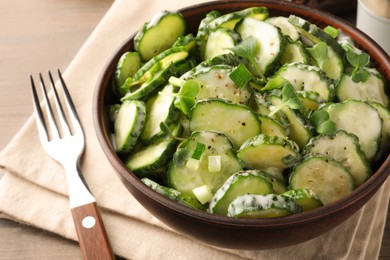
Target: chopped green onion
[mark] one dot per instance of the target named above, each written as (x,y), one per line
(214,163)
(177,82)
(240,76)
(203,194)
(193,164)
(334,32)
(198,151)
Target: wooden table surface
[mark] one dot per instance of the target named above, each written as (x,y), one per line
(37,35)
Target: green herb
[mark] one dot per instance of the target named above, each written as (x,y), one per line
(176,82)
(248,49)
(358,61)
(274,83)
(322,122)
(319,52)
(199,149)
(332,31)
(289,99)
(240,76)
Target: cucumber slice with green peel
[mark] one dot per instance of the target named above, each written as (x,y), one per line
(263,206)
(128,125)
(160,108)
(260,104)
(270,43)
(129,63)
(384,113)
(344,148)
(159,62)
(219,42)
(334,66)
(158,75)
(307,199)
(373,89)
(294,52)
(361,119)
(214,82)
(159,34)
(263,152)
(148,158)
(185,177)
(277,185)
(230,20)
(188,41)
(315,34)
(310,100)
(211,114)
(285,26)
(299,127)
(173,194)
(308,78)
(238,184)
(224,59)
(271,127)
(324,176)
(203,31)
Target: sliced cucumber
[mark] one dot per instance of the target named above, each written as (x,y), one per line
(238,184)
(188,41)
(371,90)
(128,64)
(310,100)
(285,26)
(361,119)
(307,199)
(160,108)
(308,78)
(294,52)
(214,82)
(212,114)
(153,156)
(344,148)
(185,177)
(159,34)
(263,152)
(203,31)
(219,42)
(385,138)
(270,44)
(128,125)
(159,62)
(271,127)
(315,35)
(324,176)
(230,20)
(160,69)
(263,206)
(299,128)
(334,66)
(173,194)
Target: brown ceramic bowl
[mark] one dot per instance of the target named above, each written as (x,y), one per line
(231,232)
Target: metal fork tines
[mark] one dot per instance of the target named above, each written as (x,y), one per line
(62,138)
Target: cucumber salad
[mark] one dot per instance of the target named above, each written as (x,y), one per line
(252,116)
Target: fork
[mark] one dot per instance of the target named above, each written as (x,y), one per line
(64,142)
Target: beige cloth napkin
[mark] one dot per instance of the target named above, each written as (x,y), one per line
(33,189)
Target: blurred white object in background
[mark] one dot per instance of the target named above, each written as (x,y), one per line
(373,18)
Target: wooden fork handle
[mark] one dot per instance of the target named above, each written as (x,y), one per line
(91,233)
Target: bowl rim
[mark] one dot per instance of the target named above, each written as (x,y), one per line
(361,193)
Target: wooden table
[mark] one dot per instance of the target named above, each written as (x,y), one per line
(37,35)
